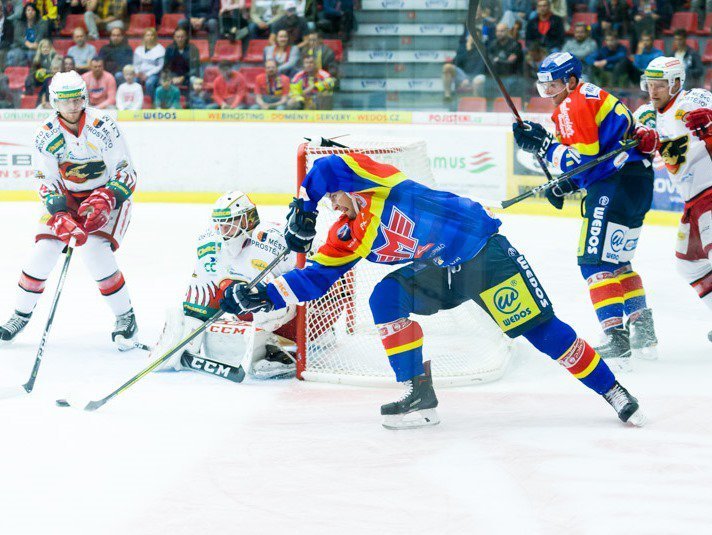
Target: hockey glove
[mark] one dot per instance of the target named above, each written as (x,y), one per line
(301,227)
(648,139)
(66,228)
(700,122)
(532,137)
(555,195)
(237,299)
(96,209)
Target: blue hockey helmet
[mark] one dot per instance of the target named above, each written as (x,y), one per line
(557,66)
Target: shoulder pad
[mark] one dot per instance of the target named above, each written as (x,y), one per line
(49,138)
(696,98)
(589,90)
(102,127)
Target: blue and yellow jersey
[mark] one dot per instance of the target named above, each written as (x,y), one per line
(399,221)
(591,122)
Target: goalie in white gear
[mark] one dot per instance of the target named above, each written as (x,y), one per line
(683,119)
(236,247)
(85,179)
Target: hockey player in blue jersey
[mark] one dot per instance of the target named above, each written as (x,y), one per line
(590,122)
(452,252)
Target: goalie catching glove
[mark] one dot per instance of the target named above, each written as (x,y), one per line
(66,228)
(301,227)
(532,137)
(237,299)
(96,209)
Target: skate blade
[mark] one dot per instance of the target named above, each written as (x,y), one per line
(412,420)
(646,353)
(637,419)
(264,373)
(123,344)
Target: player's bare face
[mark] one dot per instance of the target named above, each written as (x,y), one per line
(71,109)
(556,90)
(341,202)
(659,91)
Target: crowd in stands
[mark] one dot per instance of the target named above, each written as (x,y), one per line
(614,39)
(172,54)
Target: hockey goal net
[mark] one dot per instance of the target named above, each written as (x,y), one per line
(337,341)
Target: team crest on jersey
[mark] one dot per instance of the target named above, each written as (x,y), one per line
(79,173)
(673,152)
(399,241)
(344,232)
(261,236)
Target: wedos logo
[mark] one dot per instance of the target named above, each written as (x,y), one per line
(507,300)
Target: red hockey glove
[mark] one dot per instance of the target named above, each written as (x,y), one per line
(96,209)
(648,139)
(700,122)
(66,228)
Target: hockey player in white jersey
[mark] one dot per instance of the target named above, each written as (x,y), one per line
(236,246)
(85,179)
(683,118)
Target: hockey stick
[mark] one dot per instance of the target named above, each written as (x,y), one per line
(94,405)
(580,169)
(471,24)
(30,384)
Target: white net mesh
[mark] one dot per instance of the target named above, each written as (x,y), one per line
(340,341)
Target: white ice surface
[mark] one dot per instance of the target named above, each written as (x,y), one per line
(184,453)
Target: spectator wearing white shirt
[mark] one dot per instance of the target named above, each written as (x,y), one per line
(148,60)
(129,95)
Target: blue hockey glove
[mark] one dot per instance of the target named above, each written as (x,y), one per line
(556,194)
(532,137)
(238,300)
(301,227)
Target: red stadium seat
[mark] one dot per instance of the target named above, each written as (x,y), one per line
(472,104)
(540,105)
(708,80)
(16,77)
(139,23)
(659,44)
(500,106)
(165,42)
(209,76)
(694,44)
(625,43)
(203,48)
(337,46)
(134,43)
(147,102)
(73,21)
(685,20)
(707,55)
(250,74)
(62,45)
(255,51)
(28,102)
(707,26)
(169,23)
(227,51)
(99,43)
(587,18)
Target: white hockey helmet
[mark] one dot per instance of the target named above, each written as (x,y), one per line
(66,86)
(664,68)
(235,217)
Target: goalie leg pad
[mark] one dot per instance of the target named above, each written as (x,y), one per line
(176,327)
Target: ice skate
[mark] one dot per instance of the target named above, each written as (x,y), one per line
(417,406)
(616,349)
(643,342)
(14,326)
(277,364)
(125,331)
(625,405)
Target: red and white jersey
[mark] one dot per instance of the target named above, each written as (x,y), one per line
(686,157)
(78,164)
(219,260)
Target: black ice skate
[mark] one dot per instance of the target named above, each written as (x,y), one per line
(625,405)
(277,364)
(616,350)
(125,330)
(417,406)
(14,326)
(643,341)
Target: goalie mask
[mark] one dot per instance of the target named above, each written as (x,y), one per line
(235,217)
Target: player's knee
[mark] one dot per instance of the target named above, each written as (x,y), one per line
(386,302)
(597,271)
(552,337)
(622,269)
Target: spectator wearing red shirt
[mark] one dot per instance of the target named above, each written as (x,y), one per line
(101,86)
(546,29)
(230,88)
(271,88)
